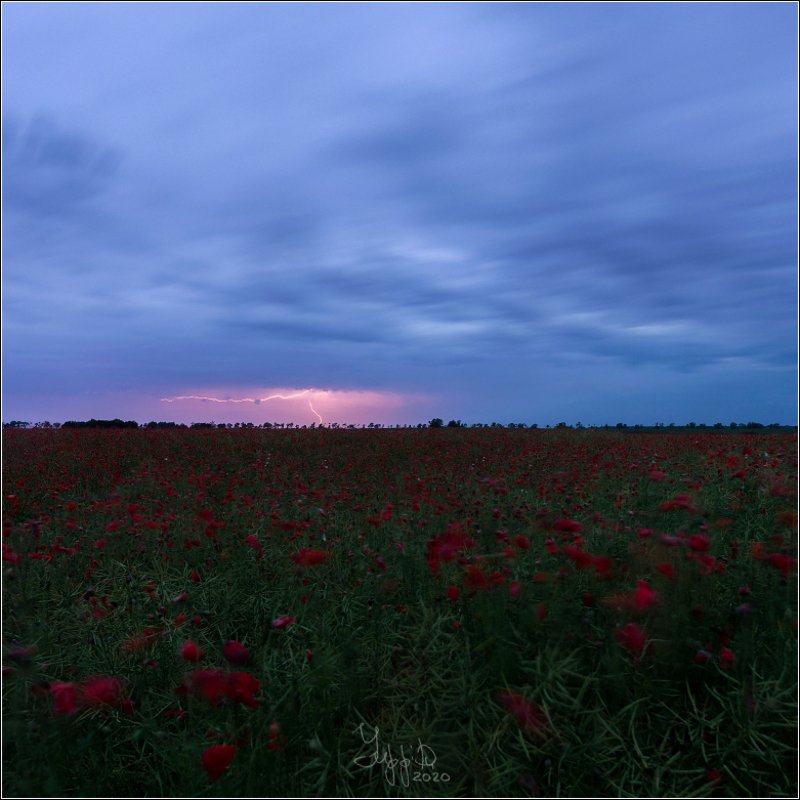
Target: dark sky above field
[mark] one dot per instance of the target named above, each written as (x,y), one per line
(388,212)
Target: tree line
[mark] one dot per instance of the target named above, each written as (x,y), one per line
(436,422)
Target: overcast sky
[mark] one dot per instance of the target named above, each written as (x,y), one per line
(388,212)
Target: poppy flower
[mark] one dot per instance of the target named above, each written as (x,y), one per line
(632,638)
(581,559)
(211,683)
(242,688)
(781,562)
(216,759)
(64,697)
(101,691)
(275,740)
(475,578)
(236,653)
(217,684)
(644,597)
(282,622)
(667,570)
(191,651)
(699,542)
(309,558)
(529,716)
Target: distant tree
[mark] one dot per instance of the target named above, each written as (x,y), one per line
(534,425)
(717,424)
(436,422)
(561,425)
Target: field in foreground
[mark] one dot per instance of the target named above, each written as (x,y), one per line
(399,612)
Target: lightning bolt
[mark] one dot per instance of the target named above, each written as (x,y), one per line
(209,399)
(319,416)
(235,399)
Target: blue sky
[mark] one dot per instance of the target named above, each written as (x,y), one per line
(524,212)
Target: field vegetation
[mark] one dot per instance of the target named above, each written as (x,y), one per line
(433,612)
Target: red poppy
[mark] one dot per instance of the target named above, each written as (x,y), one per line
(242,688)
(64,697)
(681,502)
(217,684)
(699,542)
(522,542)
(529,716)
(475,578)
(211,683)
(713,775)
(282,622)
(101,691)
(581,559)
(702,657)
(632,638)
(644,597)
(191,651)
(781,562)
(275,740)
(667,570)
(309,558)
(453,593)
(236,653)
(216,759)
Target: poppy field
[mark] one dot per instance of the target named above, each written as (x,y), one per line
(399,612)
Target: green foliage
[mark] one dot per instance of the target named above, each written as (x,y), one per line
(189,534)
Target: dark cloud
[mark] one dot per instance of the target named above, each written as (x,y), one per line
(49,171)
(471,200)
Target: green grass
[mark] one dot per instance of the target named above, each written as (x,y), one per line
(388,649)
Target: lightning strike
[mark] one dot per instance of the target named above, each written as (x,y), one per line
(235,399)
(319,416)
(212,399)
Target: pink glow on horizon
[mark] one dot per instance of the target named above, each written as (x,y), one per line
(301,406)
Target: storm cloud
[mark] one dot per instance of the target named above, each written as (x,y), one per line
(512,212)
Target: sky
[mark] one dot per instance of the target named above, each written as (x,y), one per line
(354,213)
